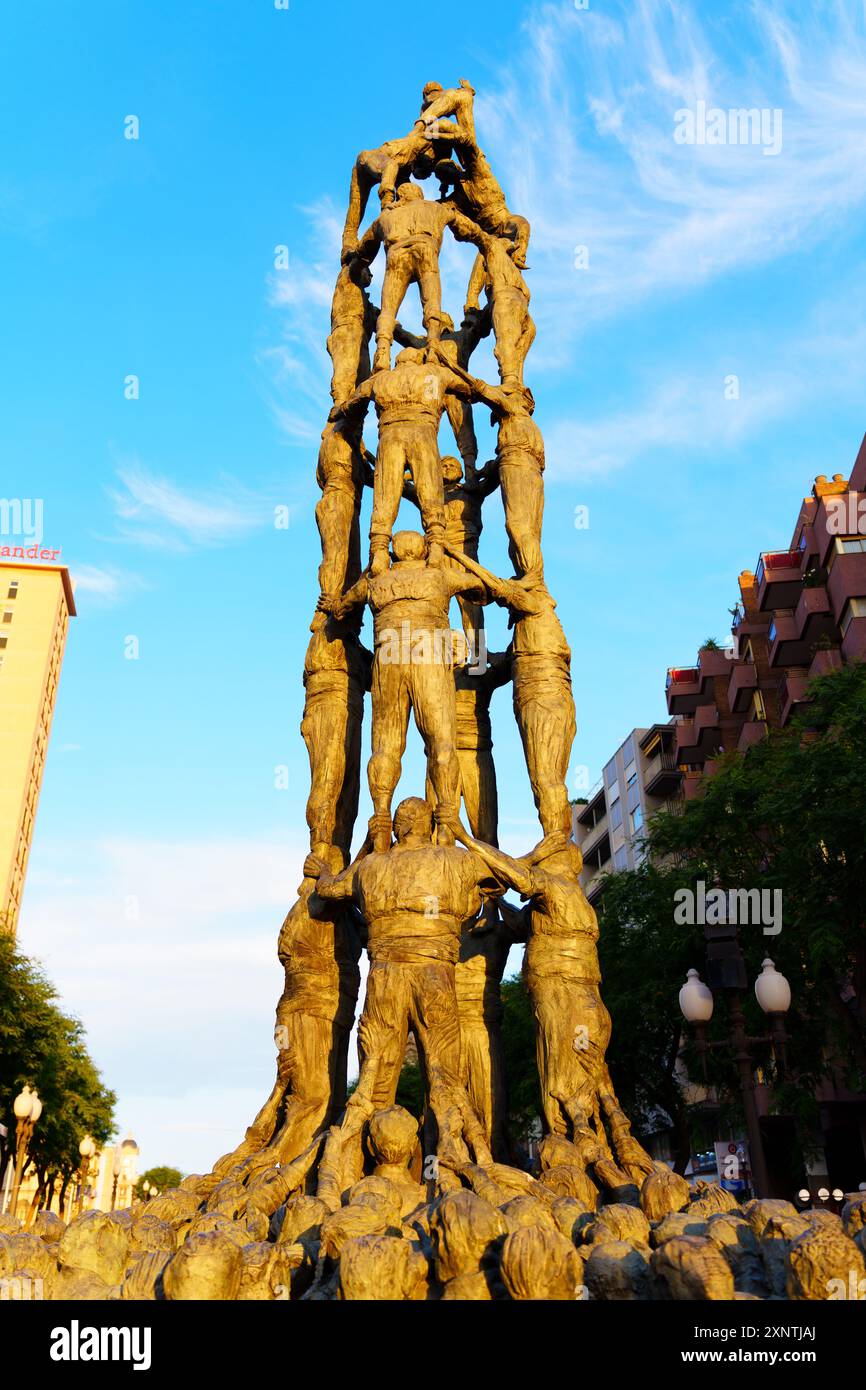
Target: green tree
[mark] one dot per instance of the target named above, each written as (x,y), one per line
(42,1046)
(161,1177)
(787,815)
(644,960)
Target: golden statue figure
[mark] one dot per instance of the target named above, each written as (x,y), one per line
(353,323)
(474,686)
(438,103)
(563,977)
(477,193)
(484,948)
(456,346)
(409,402)
(463,526)
(412,672)
(337,672)
(398,159)
(543,702)
(343,467)
(411,230)
(414,899)
(319,948)
(519,464)
(508,294)
(332,1196)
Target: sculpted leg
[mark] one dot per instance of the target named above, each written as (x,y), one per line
(399,273)
(547,728)
(336,519)
(422,455)
(387,487)
(435,714)
(347,801)
(436,1022)
(390,699)
(384,1028)
(523,500)
(478,783)
(359,192)
(345,344)
(324,728)
(430,289)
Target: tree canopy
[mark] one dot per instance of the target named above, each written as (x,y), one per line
(160,1177)
(42,1046)
(786,815)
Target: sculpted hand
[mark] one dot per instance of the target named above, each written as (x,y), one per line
(314,867)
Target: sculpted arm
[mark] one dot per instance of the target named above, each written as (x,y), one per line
(359,397)
(514,872)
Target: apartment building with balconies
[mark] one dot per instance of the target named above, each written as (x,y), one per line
(801,613)
(640,778)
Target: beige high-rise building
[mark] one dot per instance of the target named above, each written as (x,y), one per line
(36,604)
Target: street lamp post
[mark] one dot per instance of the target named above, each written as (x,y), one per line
(87,1148)
(115,1168)
(726,969)
(27,1107)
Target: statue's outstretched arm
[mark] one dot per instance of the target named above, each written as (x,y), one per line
(512,871)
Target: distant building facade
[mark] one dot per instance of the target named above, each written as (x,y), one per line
(36,604)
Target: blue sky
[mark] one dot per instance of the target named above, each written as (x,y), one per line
(165,856)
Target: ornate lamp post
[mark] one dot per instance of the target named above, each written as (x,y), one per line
(27,1107)
(727,970)
(116,1166)
(87,1148)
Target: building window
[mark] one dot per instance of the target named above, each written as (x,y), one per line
(759,711)
(851,545)
(747,653)
(13,589)
(3,639)
(616,814)
(630,775)
(7,616)
(620,859)
(610,774)
(854,608)
(636,818)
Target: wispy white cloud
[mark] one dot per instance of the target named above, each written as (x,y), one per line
(581,131)
(723,401)
(156,513)
(104,586)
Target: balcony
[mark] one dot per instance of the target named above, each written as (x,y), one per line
(742,685)
(778,579)
(593,812)
(786,647)
(824,661)
(792,692)
(714,661)
(692,783)
(814,616)
(847,579)
(753,731)
(838,515)
(684,689)
(593,885)
(596,838)
(662,777)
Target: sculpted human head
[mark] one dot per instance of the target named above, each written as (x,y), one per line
(409,354)
(452,469)
(414,816)
(408,545)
